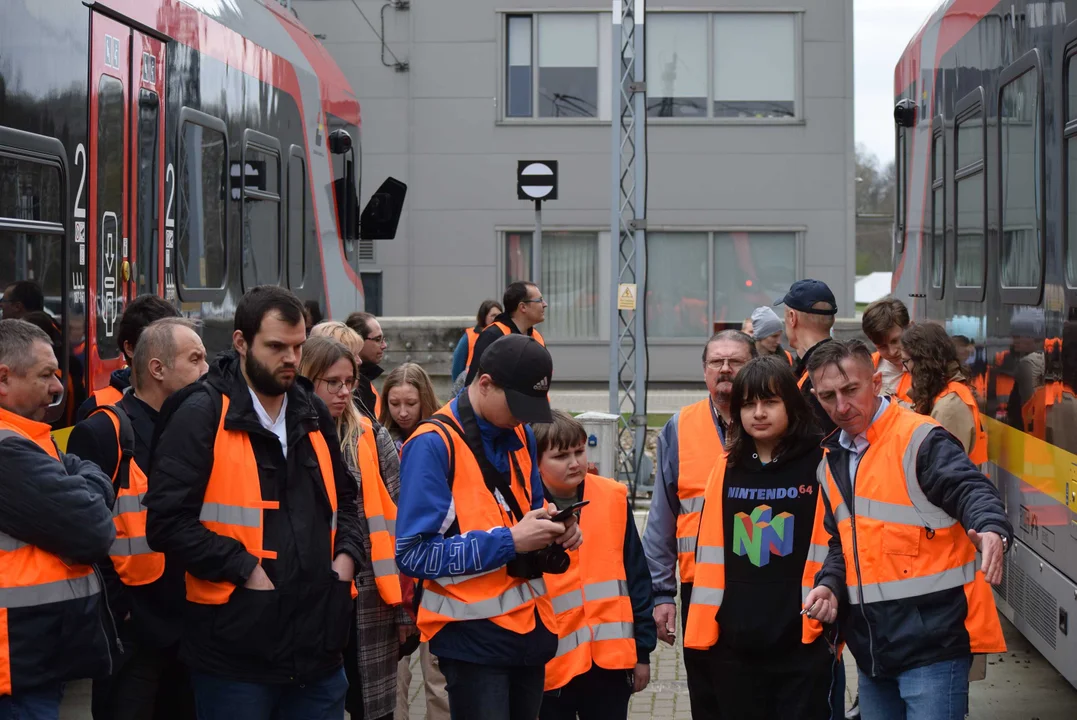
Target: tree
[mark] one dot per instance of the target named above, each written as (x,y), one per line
(875,196)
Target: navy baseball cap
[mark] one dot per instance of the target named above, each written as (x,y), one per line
(805,293)
(522,368)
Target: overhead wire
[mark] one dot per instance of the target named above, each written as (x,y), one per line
(400,65)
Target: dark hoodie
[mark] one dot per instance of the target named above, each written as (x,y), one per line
(365,393)
(296,632)
(760,614)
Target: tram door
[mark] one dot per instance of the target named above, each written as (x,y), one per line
(125,222)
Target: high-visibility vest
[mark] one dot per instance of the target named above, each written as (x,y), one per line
(377,400)
(380,516)
(978,451)
(508,602)
(472,337)
(933,552)
(591,601)
(134,561)
(506,330)
(107,395)
(788,356)
(698,446)
(803,379)
(233,505)
(904,384)
(708,592)
(33,578)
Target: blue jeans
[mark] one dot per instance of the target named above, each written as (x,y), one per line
(493,692)
(933,692)
(41,703)
(217,698)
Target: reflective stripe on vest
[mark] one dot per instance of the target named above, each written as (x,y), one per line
(46,593)
(233,506)
(698,446)
(510,603)
(708,592)
(132,557)
(595,623)
(907,547)
(380,511)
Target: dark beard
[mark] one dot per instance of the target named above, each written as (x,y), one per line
(262,380)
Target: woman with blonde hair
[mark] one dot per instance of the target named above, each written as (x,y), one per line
(340,332)
(382,624)
(409,399)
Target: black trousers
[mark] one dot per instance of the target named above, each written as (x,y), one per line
(698,667)
(752,691)
(492,692)
(147,683)
(598,694)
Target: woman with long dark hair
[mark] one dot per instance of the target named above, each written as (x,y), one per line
(941,386)
(753,544)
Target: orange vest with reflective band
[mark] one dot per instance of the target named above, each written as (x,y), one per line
(107,395)
(708,592)
(904,384)
(803,379)
(591,602)
(508,602)
(29,576)
(978,451)
(134,561)
(506,330)
(233,505)
(472,338)
(380,513)
(906,547)
(698,445)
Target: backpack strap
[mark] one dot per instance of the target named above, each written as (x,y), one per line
(442,424)
(121,478)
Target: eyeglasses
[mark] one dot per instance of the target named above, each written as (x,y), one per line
(906,362)
(718,363)
(335,386)
(534,300)
(376,338)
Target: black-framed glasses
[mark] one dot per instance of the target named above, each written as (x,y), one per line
(335,386)
(534,300)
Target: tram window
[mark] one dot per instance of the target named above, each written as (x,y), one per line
(969,220)
(938,213)
(111,118)
(31,191)
(902,191)
(297,222)
(261,217)
(201,206)
(148,170)
(1021,260)
(1071,211)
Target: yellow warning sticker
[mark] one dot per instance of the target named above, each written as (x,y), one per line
(626,296)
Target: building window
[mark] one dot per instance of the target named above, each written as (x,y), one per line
(694,279)
(569,280)
(201,204)
(1021,261)
(969,260)
(555,67)
(722,65)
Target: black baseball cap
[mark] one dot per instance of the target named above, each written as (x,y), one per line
(805,293)
(522,368)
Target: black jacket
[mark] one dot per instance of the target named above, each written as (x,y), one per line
(488,337)
(822,420)
(63,508)
(890,637)
(155,609)
(296,632)
(365,394)
(120,380)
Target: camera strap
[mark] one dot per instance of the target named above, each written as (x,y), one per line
(496,482)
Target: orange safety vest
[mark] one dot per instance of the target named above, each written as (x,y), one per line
(978,451)
(904,384)
(708,592)
(698,444)
(906,546)
(472,336)
(594,611)
(32,577)
(134,561)
(233,504)
(380,513)
(509,602)
(506,330)
(107,395)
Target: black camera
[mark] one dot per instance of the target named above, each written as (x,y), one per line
(551,560)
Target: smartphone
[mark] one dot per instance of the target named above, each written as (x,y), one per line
(567,512)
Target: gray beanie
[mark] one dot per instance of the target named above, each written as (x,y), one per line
(765,323)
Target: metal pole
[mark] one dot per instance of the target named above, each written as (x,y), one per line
(639,417)
(536,246)
(615,222)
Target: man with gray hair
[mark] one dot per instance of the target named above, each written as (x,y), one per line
(688,447)
(55,522)
(145,593)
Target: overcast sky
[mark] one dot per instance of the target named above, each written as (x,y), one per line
(883,28)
